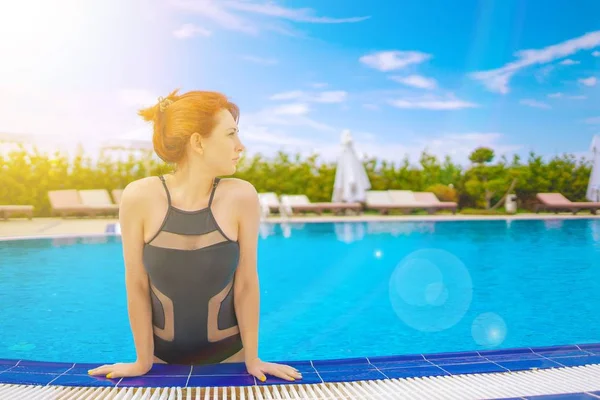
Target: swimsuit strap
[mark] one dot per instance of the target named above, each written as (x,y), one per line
(162,178)
(212,193)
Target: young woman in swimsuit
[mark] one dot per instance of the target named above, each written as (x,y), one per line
(190,245)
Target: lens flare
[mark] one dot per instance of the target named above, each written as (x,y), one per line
(430,290)
(488,329)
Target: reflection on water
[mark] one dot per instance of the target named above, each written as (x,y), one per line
(595,230)
(94,239)
(65,241)
(553,224)
(346,232)
(399,228)
(70,241)
(266,230)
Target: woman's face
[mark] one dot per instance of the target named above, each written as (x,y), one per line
(221,150)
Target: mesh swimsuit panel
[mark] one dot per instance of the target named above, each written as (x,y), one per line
(191,265)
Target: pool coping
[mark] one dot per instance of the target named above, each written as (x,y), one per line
(111,228)
(29,372)
(106,233)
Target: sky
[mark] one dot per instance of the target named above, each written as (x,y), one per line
(402,76)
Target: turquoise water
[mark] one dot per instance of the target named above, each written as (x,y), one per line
(333,290)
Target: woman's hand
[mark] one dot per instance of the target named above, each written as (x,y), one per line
(121,370)
(259,368)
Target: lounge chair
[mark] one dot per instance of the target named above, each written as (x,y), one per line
(98,198)
(404,200)
(269,202)
(8,210)
(386,200)
(68,202)
(431,203)
(557,202)
(299,203)
(379,200)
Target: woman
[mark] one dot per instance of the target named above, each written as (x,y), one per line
(190,245)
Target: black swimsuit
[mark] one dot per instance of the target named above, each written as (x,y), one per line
(191,265)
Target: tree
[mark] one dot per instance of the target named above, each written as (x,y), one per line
(26,176)
(481,155)
(484,181)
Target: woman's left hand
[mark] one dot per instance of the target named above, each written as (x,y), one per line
(259,368)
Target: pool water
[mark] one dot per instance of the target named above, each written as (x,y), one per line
(333,290)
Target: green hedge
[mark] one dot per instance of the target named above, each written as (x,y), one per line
(27,176)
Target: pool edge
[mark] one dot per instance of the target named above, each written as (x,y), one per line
(41,373)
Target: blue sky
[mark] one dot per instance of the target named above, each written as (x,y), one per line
(402,76)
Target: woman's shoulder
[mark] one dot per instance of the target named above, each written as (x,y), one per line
(141,190)
(238,184)
(239,189)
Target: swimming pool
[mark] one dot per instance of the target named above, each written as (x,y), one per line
(333,290)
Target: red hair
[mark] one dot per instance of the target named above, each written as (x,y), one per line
(177,117)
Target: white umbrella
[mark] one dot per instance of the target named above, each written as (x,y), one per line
(351,180)
(593,190)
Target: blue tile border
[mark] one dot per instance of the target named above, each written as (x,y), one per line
(565,396)
(29,372)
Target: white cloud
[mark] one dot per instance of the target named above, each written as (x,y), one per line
(319,85)
(568,61)
(456,145)
(534,103)
(64,119)
(269,136)
(392,60)
(460,145)
(252,17)
(497,80)
(591,81)
(331,96)
(559,95)
(260,60)
(596,53)
(294,14)
(290,115)
(218,14)
(543,73)
(417,81)
(291,95)
(291,109)
(593,120)
(334,96)
(187,31)
(432,103)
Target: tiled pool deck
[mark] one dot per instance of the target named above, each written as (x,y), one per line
(56,227)
(377,369)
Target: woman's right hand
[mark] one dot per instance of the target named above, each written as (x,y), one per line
(121,370)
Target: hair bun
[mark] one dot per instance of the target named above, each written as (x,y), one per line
(151,114)
(176,117)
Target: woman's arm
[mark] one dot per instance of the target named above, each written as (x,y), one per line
(246,287)
(136,278)
(131,212)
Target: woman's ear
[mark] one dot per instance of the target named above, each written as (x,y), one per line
(196,142)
